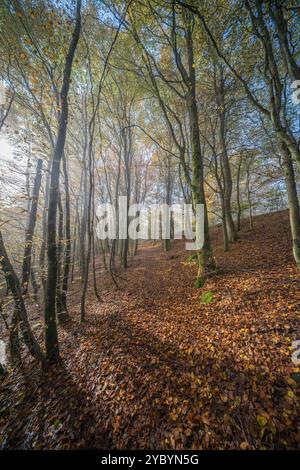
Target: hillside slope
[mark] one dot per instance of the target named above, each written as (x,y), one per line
(154,367)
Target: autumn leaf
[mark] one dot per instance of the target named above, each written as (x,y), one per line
(262,420)
(244,445)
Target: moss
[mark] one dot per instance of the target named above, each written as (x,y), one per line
(199,282)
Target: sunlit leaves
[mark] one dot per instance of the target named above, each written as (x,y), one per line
(207,297)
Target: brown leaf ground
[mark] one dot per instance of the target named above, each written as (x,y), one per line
(155,368)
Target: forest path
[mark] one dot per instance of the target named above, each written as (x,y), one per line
(154,367)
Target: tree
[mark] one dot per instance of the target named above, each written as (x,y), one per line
(52,347)
(276,87)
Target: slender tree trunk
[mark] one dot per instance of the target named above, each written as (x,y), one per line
(13,341)
(59,307)
(238,201)
(89,240)
(103,246)
(83,225)
(220,182)
(74,250)
(167,241)
(135,248)
(205,256)
(93,242)
(51,338)
(77,223)
(232,235)
(249,194)
(220,92)
(127,141)
(116,202)
(224,225)
(96,292)
(293,201)
(26,266)
(90,233)
(21,313)
(62,312)
(44,228)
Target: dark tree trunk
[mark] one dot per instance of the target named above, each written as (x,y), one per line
(205,256)
(13,341)
(293,201)
(51,338)
(14,345)
(26,266)
(20,309)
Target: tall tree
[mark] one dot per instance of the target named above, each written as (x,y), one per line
(51,338)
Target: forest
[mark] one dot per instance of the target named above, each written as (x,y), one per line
(149,225)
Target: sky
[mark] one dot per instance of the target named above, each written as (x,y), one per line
(6,150)
(6,156)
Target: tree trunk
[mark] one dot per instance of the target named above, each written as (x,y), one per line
(51,338)
(205,256)
(294,211)
(238,200)
(220,92)
(59,307)
(14,345)
(83,225)
(44,224)
(249,195)
(89,239)
(93,244)
(127,142)
(167,241)
(20,309)
(13,341)
(224,225)
(67,255)
(26,266)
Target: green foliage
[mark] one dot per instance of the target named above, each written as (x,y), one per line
(56,423)
(192,259)
(207,297)
(199,282)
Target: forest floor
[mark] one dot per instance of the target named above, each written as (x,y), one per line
(154,367)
